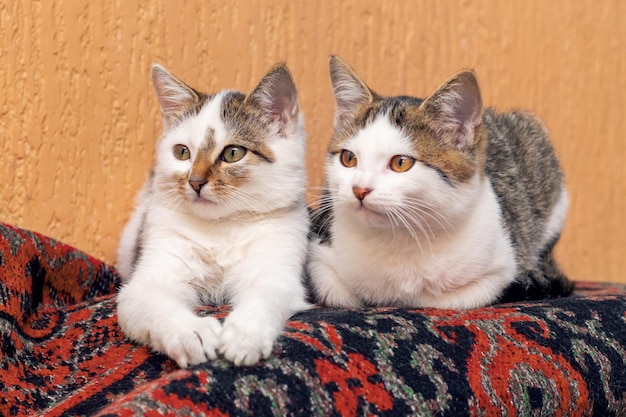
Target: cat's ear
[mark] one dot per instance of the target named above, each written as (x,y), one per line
(351,92)
(174,95)
(277,98)
(455,109)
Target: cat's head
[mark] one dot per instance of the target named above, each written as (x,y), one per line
(402,162)
(229,153)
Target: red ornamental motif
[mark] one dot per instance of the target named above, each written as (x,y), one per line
(346,397)
(498,355)
(52,262)
(352,381)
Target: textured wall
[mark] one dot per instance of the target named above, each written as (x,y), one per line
(78,118)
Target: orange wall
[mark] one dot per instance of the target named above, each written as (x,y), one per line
(78,117)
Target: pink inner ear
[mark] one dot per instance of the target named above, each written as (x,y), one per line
(455,131)
(278,102)
(462,136)
(280,108)
(281,121)
(458,111)
(466,111)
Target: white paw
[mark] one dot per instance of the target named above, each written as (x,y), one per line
(248,337)
(190,341)
(328,288)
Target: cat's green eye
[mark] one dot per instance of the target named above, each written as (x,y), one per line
(181,152)
(401,163)
(233,153)
(348,159)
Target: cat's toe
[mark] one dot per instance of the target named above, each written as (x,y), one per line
(241,357)
(193,342)
(245,342)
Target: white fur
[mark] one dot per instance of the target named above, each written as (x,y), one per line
(556,219)
(448,251)
(132,230)
(248,251)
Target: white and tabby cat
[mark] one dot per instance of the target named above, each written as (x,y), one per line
(222,218)
(435,202)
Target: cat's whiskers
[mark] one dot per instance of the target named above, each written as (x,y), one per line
(392,221)
(238,199)
(416,217)
(421,207)
(412,218)
(170,197)
(315,193)
(240,207)
(420,224)
(324,207)
(400,215)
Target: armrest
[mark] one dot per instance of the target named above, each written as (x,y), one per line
(37,270)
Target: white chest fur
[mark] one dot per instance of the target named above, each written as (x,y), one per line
(206,251)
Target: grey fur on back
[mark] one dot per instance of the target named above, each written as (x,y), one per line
(528,181)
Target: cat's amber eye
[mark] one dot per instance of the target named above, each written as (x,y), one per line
(181,152)
(401,163)
(233,153)
(348,159)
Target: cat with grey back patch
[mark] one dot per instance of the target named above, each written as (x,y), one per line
(435,202)
(222,218)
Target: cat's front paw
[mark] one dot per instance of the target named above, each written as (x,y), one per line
(190,341)
(328,289)
(248,337)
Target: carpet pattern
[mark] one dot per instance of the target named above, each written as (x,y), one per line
(63,354)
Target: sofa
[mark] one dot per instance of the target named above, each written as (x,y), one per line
(63,353)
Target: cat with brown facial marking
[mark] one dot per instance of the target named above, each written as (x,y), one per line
(435,202)
(221,219)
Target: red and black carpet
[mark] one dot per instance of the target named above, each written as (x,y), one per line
(63,354)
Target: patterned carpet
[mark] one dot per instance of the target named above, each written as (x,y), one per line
(63,354)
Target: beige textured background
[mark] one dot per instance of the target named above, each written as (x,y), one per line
(78,117)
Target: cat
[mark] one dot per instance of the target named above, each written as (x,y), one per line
(435,202)
(222,218)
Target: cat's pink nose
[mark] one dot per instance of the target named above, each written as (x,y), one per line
(360,192)
(197,184)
